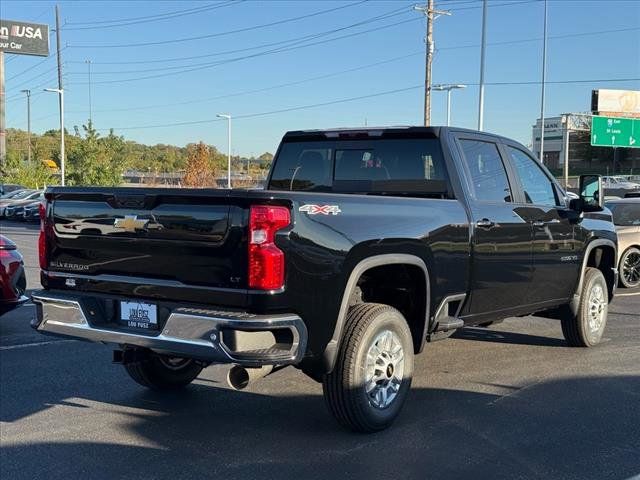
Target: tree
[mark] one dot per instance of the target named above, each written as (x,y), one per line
(199,170)
(33,175)
(97,161)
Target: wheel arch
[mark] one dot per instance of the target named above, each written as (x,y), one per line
(362,267)
(601,254)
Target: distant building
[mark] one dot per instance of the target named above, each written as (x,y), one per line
(554,138)
(583,158)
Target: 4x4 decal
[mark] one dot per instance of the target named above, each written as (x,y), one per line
(320,209)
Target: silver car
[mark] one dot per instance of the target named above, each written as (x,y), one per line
(626,217)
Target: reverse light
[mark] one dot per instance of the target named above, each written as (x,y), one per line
(266,260)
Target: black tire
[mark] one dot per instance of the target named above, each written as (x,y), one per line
(344,388)
(584,329)
(629,267)
(161,372)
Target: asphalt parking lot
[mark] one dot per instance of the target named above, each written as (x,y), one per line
(511,401)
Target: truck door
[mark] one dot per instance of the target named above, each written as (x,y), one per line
(555,256)
(501,239)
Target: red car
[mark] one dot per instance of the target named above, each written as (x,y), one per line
(13,282)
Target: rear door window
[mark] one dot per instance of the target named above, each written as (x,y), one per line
(486,172)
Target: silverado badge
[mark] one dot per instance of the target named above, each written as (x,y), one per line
(130,223)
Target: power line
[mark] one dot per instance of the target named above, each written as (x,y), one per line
(30,68)
(360,97)
(550,37)
(148,18)
(212,64)
(26,82)
(264,89)
(219,34)
(290,47)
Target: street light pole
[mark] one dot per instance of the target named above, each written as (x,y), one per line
(228,117)
(28,92)
(448,88)
(88,62)
(482,49)
(60,93)
(544,81)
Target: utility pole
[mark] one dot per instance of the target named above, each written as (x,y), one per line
(60,91)
(3,130)
(88,62)
(28,92)
(482,49)
(544,81)
(431,14)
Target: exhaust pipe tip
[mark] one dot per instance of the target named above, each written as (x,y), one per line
(239,377)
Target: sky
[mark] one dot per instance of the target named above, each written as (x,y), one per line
(344,64)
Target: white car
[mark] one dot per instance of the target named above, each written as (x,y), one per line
(619,182)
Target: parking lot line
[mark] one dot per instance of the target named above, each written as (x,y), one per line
(35,344)
(627,294)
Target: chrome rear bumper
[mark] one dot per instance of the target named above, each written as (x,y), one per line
(187,332)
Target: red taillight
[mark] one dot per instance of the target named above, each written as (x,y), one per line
(266,261)
(42,239)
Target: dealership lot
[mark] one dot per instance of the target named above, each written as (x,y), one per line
(511,401)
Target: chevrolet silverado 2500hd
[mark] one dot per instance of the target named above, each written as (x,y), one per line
(364,246)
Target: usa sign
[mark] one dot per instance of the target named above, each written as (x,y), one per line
(24,38)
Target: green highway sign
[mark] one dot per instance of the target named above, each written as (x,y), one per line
(615,132)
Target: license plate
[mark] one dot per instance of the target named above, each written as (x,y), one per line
(139,315)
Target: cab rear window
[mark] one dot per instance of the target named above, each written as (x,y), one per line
(367,166)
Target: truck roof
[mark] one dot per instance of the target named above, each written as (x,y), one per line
(389,131)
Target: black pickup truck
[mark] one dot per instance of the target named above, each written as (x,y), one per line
(365,245)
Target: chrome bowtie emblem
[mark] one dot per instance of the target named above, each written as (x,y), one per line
(130,223)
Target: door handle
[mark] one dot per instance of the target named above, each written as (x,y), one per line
(485,223)
(540,223)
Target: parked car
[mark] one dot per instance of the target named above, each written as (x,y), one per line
(11,194)
(619,182)
(9,200)
(366,245)
(31,211)
(13,282)
(626,217)
(9,187)
(15,210)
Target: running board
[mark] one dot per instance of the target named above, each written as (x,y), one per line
(446,320)
(446,324)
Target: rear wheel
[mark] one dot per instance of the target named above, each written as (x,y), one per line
(163,372)
(585,329)
(373,371)
(629,267)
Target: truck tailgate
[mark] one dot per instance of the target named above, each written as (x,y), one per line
(181,237)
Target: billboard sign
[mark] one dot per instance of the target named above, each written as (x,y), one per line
(618,101)
(615,132)
(24,38)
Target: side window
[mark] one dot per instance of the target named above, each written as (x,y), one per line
(536,185)
(487,173)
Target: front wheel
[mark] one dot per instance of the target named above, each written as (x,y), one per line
(162,372)
(373,371)
(585,328)
(629,267)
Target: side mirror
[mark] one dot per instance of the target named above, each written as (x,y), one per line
(591,194)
